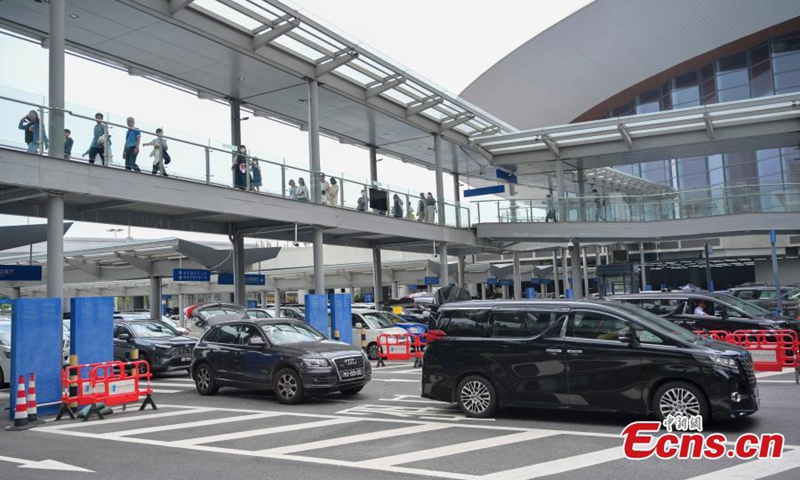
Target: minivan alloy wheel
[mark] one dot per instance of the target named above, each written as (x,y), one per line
(680,402)
(475,397)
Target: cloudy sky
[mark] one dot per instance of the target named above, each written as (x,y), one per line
(450,42)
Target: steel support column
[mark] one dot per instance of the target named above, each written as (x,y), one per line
(56,79)
(437,151)
(585,272)
(575,265)
(55,246)
(565,275)
(457,194)
(517,277)
(377,277)
(444,274)
(561,202)
(181,308)
(512,195)
(313,140)
(642,264)
(557,287)
(462,266)
(236,130)
(238,270)
(373,163)
(277,301)
(155,298)
(319,263)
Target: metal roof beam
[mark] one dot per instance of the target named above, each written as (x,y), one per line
(709,125)
(424,104)
(177,5)
(93,207)
(267,37)
(626,135)
(137,263)
(20,194)
(486,131)
(553,146)
(192,216)
(337,61)
(89,268)
(452,122)
(387,84)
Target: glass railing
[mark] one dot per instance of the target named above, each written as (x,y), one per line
(699,203)
(207,161)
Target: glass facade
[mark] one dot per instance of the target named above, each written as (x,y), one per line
(768,68)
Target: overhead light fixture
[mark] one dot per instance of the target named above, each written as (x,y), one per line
(73,16)
(301,100)
(241,79)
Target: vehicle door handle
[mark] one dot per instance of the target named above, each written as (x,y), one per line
(574,352)
(554,351)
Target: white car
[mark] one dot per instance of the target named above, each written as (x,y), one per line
(375,324)
(5,348)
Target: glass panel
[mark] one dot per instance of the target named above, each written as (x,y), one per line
(786,43)
(686,80)
(791,164)
(786,62)
(787,81)
(716,177)
(770,179)
(686,97)
(666,98)
(623,110)
(759,54)
(733,79)
(732,62)
(707,73)
(693,174)
(733,94)
(761,87)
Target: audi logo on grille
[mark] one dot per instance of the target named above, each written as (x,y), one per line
(349,362)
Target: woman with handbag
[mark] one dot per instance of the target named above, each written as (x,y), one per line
(239,168)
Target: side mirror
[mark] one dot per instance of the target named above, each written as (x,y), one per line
(256,341)
(359,325)
(627,337)
(125,337)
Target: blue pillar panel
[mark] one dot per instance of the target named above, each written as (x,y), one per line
(92,329)
(341,316)
(36,336)
(530,293)
(317,313)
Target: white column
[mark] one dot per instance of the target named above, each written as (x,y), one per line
(313,139)
(557,289)
(575,261)
(444,274)
(437,151)
(155,298)
(319,263)
(517,277)
(239,295)
(55,246)
(585,273)
(377,277)
(56,75)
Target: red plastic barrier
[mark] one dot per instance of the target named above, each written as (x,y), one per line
(435,335)
(418,343)
(772,350)
(713,334)
(394,346)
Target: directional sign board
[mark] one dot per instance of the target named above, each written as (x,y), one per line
(190,275)
(492,281)
(21,273)
(249,279)
(508,282)
(431,281)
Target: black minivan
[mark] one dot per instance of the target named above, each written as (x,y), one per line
(592,355)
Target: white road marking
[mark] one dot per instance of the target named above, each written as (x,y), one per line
(364,437)
(756,469)
(776,381)
(178,426)
(159,415)
(555,467)
(412,371)
(457,448)
(263,431)
(165,390)
(44,465)
(398,380)
(772,374)
(172,384)
(411,399)
(405,365)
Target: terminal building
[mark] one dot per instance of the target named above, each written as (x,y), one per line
(660,135)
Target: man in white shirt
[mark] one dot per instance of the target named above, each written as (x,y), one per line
(700,309)
(324,190)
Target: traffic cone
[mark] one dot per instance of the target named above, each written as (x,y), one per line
(33,414)
(21,408)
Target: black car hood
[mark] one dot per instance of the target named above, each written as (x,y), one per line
(178,340)
(323,348)
(723,347)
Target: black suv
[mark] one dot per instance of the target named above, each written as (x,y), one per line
(766,297)
(592,355)
(283,355)
(707,311)
(163,348)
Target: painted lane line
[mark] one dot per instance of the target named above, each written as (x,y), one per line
(776,381)
(364,437)
(394,380)
(413,371)
(555,467)
(44,465)
(410,399)
(263,431)
(135,418)
(405,365)
(756,469)
(163,390)
(457,448)
(173,385)
(178,426)
(772,374)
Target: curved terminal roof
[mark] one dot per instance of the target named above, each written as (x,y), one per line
(608,46)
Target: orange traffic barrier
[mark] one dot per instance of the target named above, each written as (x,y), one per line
(418,343)
(21,408)
(393,346)
(33,413)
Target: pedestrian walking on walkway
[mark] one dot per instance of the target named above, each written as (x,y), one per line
(97,147)
(334,191)
(430,209)
(239,168)
(362,201)
(132,140)
(68,142)
(599,205)
(324,190)
(409,210)
(32,126)
(159,145)
(256,169)
(397,207)
(421,207)
(292,190)
(302,190)
(551,209)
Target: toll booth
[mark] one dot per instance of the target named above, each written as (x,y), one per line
(617,278)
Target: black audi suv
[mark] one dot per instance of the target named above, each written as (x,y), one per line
(164,348)
(286,356)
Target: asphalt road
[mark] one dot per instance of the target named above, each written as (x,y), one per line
(386,432)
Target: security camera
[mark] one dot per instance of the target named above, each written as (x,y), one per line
(571,245)
(296,244)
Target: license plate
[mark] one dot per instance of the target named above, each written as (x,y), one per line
(358,372)
(186,359)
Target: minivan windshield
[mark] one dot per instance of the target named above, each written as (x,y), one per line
(738,303)
(376,321)
(657,323)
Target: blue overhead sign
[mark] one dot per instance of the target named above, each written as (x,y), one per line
(249,279)
(491,281)
(21,273)
(508,177)
(476,192)
(190,275)
(507,282)
(431,281)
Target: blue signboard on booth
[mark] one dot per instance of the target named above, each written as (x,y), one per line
(546,281)
(431,281)
(368,298)
(21,273)
(317,313)
(252,304)
(91,327)
(249,279)
(36,337)
(507,282)
(773,237)
(535,281)
(191,275)
(341,316)
(492,281)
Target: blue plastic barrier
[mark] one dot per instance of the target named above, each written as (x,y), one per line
(530,293)
(341,316)
(317,313)
(92,329)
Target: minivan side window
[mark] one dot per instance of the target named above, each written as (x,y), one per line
(662,306)
(745,294)
(465,323)
(595,325)
(521,323)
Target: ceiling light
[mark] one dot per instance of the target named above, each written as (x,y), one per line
(301,100)
(241,79)
(73,15)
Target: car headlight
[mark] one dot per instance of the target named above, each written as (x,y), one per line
(316,362)
(723,361)
(163,347)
